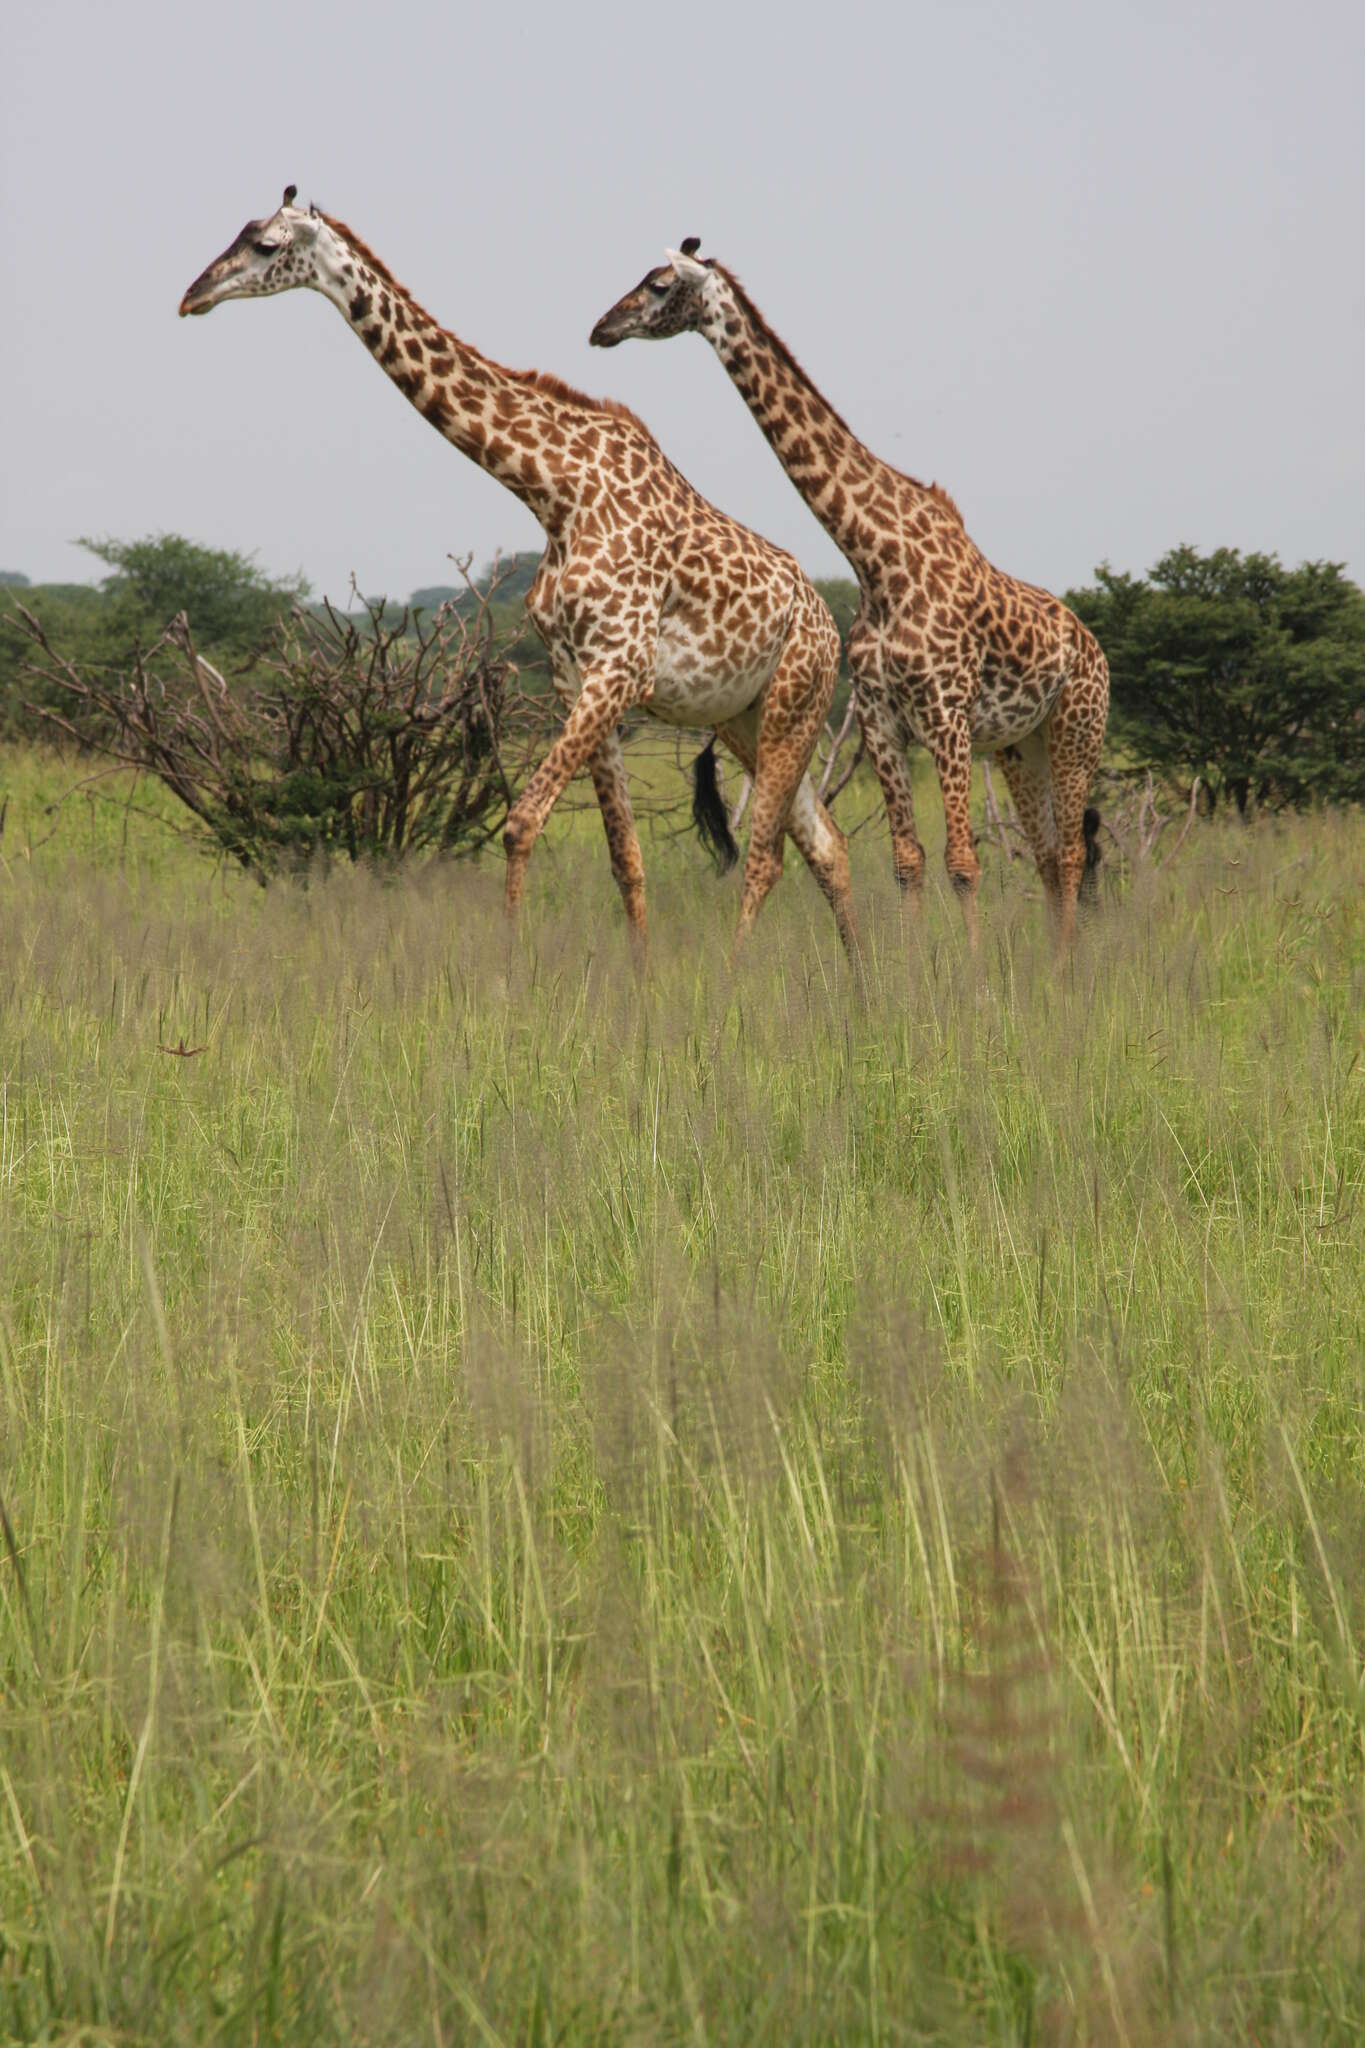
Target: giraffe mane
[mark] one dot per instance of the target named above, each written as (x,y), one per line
(569,394)
(775,341)
(784,354)
(946,500)
(539,380)
(376,263)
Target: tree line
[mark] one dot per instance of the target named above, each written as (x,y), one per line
(1232,676)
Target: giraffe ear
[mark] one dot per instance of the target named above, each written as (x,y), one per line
(686,264)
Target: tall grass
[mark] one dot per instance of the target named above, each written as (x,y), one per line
(539,1512)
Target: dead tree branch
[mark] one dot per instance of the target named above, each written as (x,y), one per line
(367,734)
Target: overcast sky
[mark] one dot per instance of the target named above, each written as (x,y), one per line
(1096,268)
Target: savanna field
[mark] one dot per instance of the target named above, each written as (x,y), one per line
(541,1512)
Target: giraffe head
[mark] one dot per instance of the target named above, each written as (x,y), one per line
(666,301)
(276,254)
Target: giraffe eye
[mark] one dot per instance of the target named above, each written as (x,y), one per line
(660,287)
(267,248)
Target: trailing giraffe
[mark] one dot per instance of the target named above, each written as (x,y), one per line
(646,595)
(946,649)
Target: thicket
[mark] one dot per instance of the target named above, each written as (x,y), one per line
(365,737)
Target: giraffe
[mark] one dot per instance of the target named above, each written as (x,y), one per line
(945,649)
(646,594)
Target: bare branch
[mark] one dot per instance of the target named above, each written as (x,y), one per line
(836,742)
(1184,830)
(370,735)
(1132,817)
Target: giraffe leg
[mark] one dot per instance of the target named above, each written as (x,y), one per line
(608,771)
(1075,738)
(886,751)
(591,723)
(820,842)
(1028,774)
(951,747)
(789,719)
(824,848)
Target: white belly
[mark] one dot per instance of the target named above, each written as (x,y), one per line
(696,688)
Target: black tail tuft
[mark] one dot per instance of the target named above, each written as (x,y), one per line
(1090,826)
(709,814)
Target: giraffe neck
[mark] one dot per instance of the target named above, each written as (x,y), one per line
(834,471)
(520,433)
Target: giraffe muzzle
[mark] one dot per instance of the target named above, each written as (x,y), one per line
(196,299)
(211,286)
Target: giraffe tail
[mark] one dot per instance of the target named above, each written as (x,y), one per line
(709,814)
(1090,826)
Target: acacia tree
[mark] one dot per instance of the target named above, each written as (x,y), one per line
(1240,671)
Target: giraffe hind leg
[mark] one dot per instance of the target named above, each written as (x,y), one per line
(820,842)
(1028,776)
(608,770)
(1075,739)
(885,745)
(824,848)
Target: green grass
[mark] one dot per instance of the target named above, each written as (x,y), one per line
(520,1530)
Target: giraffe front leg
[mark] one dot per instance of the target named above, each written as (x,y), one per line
(592,721)
(608,771)
(951,747)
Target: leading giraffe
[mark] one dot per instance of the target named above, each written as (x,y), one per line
(945,649)
(646,595)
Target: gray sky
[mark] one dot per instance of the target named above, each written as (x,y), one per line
(1096,268)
